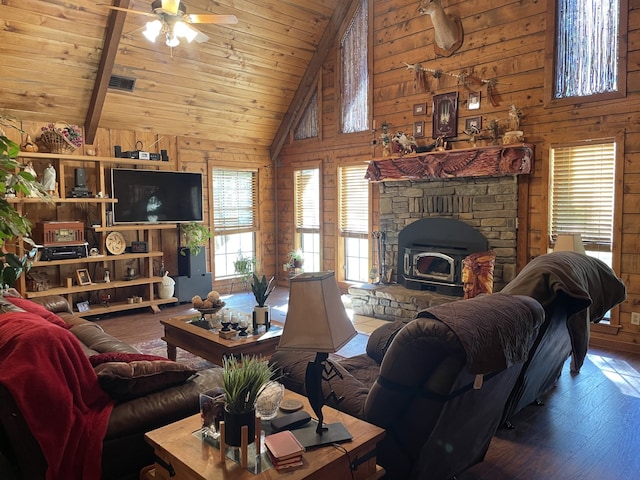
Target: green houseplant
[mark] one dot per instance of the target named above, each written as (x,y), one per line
(296,259)
(261,291)
(14,180)
(242,382)
(244,266)
(195,236)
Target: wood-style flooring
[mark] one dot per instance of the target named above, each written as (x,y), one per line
(588,429)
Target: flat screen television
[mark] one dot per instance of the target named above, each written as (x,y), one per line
(156,196)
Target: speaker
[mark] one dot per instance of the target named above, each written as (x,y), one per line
(190,265)
(117,151)
(81,177)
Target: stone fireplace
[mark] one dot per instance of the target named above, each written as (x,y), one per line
(488,206)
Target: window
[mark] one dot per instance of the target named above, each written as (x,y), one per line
(308,125)
(355,73)
(307,213)
(581,198)
(589,47)
(234,218)
(354,222)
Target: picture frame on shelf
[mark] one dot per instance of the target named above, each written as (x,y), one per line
(445,115)
(473,103)
(473,122)
(83,277)
(83,306)
(418,129)
(420,109)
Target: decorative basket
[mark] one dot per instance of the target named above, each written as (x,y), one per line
(56,143)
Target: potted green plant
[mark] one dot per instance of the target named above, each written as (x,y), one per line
(242,381)
(14,180)
(244,266)
(12,266)
(261,291)
(195,236)
(296,259)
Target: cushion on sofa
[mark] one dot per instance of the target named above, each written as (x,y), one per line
(31,307)
(100,358)
(124,381)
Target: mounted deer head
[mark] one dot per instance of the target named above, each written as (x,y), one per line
(448,29)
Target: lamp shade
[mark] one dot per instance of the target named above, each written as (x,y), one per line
(316,319)
(569,242)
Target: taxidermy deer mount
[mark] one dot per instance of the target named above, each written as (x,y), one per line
(448,29)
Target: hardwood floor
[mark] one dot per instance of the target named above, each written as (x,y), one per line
(588,429)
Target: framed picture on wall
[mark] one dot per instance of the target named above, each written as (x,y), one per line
(420,109)
(474,101)
(473,122)
(418,129)
(445,115)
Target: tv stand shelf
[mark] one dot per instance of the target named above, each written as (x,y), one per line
(60,275)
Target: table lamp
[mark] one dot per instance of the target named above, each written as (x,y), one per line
(569,242)
(317,322)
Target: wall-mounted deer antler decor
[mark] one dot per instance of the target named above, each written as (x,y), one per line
(448,29)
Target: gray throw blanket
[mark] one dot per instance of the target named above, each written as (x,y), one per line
(496,330)
(587,286)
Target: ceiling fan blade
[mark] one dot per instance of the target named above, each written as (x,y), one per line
(137,12)
(226,19)
(201,37)
(171,6)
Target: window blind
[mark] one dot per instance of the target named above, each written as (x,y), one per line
(582,193)
(234,201)
(354,200)
(307,199)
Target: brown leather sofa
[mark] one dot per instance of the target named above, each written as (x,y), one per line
(437,384)
(125,451)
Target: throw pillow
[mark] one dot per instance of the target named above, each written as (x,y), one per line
(32,307)
(125,381)
(101,358)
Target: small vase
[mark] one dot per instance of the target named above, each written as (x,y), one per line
(233,423)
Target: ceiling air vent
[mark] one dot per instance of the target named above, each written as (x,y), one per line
(122,83)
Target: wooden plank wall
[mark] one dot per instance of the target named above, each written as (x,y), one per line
(505,40)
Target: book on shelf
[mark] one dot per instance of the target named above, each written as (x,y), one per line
(283,445)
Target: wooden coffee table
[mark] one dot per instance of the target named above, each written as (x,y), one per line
(178,332)
(189,457)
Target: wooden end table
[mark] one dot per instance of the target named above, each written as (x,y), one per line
(178,332)
(191,458)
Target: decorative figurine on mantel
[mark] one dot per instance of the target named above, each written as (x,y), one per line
(514,135)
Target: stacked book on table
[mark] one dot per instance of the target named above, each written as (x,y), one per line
(284,450)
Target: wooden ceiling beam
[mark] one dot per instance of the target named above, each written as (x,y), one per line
(340,15)
(113,32)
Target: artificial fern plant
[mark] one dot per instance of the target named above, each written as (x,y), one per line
(243,380)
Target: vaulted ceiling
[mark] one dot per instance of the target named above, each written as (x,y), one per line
(247,81)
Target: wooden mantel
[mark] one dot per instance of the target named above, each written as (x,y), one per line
(516,159)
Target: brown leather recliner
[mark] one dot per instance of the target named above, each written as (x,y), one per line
(575,290)
(125,451)
(437,384)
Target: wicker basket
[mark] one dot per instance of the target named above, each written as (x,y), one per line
(56,142)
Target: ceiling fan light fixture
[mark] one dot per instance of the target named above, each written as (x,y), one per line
(181,29)
(152,30)
(172,40)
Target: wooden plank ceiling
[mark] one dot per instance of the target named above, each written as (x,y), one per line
(240,84)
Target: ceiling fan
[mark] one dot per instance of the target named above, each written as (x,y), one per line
(172,20)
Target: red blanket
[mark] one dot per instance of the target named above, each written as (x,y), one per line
(57,390)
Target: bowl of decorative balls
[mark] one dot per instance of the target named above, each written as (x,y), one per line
(207,306)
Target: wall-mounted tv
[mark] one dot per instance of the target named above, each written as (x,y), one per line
(156,196)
